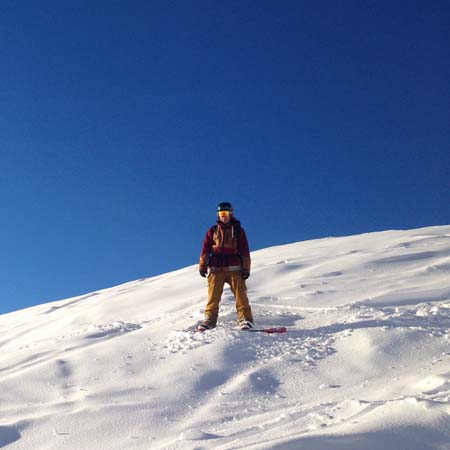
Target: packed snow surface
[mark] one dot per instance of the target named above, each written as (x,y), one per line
(365,363)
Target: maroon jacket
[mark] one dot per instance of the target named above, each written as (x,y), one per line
(225,247)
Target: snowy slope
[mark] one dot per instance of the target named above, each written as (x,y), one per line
(365,362)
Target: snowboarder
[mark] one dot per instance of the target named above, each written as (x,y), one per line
(226,254)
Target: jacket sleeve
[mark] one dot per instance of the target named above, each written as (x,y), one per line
(244,251)
(205,251)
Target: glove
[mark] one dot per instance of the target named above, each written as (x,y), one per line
(203,272)
(245,275)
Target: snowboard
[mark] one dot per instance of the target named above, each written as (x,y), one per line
(268,330)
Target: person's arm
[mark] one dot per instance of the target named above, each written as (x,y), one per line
(245,253)
(204,253)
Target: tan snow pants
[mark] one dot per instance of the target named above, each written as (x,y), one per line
(216,282)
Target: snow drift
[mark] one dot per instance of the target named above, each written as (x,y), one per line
(365,362)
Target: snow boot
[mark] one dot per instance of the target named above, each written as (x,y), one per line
(246,324)
(206,324)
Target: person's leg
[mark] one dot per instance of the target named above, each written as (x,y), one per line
(239,289)
(216,280)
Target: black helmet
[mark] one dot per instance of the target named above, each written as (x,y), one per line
(225,206)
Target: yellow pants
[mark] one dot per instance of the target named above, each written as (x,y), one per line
(216,281)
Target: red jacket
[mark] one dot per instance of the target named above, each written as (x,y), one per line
(225,247)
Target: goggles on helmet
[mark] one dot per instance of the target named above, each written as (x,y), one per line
(224,213)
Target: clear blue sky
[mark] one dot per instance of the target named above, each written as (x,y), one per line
(124,123)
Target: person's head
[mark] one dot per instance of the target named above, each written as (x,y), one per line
(224,212)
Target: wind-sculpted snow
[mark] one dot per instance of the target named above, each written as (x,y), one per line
(365,362)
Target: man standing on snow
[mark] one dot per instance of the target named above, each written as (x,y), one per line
(226,253)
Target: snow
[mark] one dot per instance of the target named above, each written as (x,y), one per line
(365,362)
